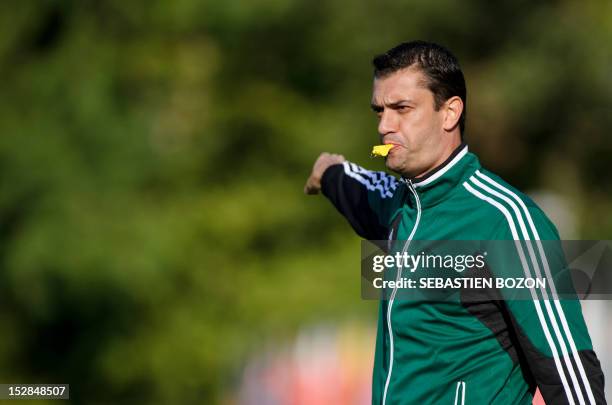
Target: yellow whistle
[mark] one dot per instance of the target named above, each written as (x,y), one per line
(382,150)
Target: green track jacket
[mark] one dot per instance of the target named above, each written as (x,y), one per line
(467,351)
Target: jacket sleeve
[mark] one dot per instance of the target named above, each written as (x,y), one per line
(362,196)
(551,333)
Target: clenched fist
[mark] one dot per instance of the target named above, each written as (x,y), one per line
(313,184)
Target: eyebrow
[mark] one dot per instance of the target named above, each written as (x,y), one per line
(377,107)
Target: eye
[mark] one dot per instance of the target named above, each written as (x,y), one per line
(403,108)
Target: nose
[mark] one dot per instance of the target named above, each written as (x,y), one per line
(387,123)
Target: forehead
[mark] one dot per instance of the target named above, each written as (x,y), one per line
(409,83)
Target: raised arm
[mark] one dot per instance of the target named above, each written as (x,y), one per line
(363,197)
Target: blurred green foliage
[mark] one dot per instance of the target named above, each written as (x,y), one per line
(152,156)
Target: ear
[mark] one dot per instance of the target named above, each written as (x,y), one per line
(453,108)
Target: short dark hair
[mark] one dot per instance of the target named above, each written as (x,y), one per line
(440,67)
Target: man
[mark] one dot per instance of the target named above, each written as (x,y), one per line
(463,351)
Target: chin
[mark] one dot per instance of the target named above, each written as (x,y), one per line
(393,166)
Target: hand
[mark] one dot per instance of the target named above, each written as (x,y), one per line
(313,184)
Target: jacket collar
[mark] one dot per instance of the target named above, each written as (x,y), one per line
(438,183)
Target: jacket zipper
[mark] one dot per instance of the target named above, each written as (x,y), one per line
(460,385)
(399,275)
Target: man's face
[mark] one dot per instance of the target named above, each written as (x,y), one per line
(408,119)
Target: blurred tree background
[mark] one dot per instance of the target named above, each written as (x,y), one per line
(153,230)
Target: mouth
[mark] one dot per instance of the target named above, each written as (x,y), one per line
(395,146)
(392,143)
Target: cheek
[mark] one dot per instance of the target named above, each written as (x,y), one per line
(415,125)
(427,123)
